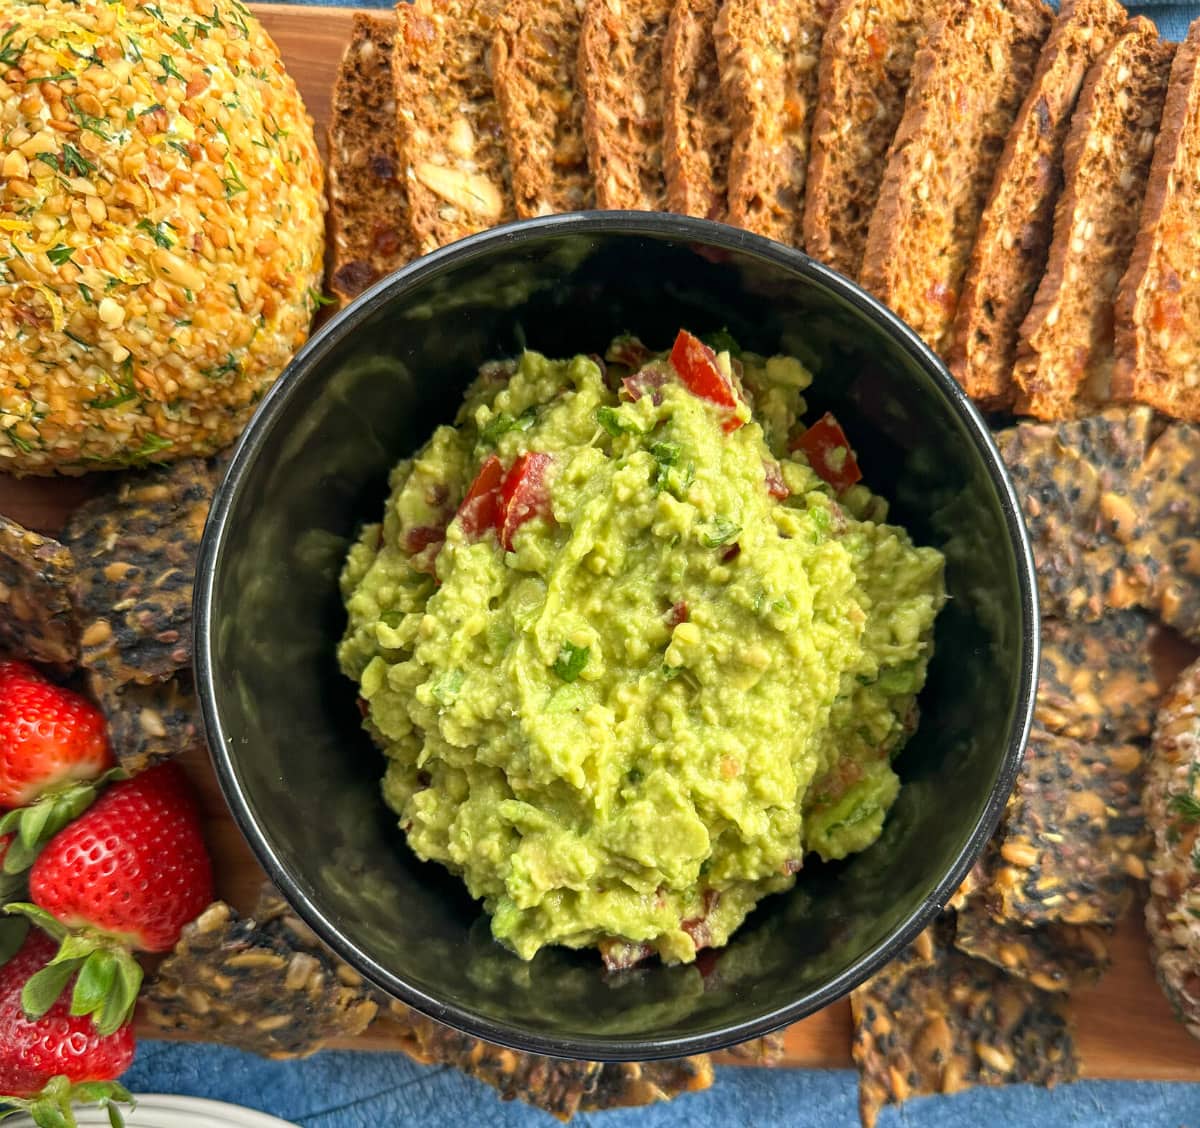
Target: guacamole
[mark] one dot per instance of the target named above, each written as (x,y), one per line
(635,640)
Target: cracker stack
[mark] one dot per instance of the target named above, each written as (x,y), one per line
(944,152)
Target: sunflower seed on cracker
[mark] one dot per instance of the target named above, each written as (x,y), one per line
(1098,680)
(1054,957)
(1074,481)
(149,723)
(257,985)
(135,548)
(950,1023)
(37,618)
(1073,835)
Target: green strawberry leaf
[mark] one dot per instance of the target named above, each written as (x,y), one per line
(13,931)
(118,1004)
(33,826)
(95,982)
(43,987)
(44,920)
(51,1108)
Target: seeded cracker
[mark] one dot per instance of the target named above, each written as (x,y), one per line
(559,1086)
(1074,483)
(135,552)
(1073,834)
(37,619)
(947,1025)
(1167,540)
(263,984)
(1172,799)
(1097,680)
(149,723)
(1054,957)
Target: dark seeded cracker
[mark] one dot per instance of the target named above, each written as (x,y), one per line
(559,1086)
(1167,539)
(135,550)
(1073,835)
(1098,680)
(149,723)
(37,618)
(1054,957)
(263,985)
(948,1024)
(1074,483)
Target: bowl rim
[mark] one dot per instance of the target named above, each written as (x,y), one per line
(622,224)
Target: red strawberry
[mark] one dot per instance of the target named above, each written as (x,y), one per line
(49,736)
(128,873)
(41,1060)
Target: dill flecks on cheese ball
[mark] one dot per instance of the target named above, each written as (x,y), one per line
(161,229)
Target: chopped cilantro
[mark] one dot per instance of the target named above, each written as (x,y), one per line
(571,660)
(722,341)
(446,688)
(180,37)
(720,530)
(96,125)
(159,232)
(614,422)
(503,423)
(60,254)
(169,70)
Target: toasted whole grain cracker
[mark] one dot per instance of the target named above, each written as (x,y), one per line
(1073,835)
(1098,680)
(149,723)
(1166,542)
(1053,957)
(37,617)
(1074,481)
(263,984)
(559,1086)
(953,1022)
(135,548)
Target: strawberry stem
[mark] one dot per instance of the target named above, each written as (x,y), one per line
(52,1107)
(34,825)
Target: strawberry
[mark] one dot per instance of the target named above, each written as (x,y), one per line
(53,752)
(127,874)
(48,1062)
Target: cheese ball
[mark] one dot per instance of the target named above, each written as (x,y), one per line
(161,229)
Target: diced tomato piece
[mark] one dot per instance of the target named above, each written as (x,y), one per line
(773,473)
(480,509)
(697,366)
(828,452)
(524,496)
(698,927)
(677,614)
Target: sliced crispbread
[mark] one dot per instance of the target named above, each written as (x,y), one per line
(368,207)
(621,77)
(450,141)
(768,52)
(695,118)
(533,70)
(1014,231)
(866,58)
(1065,350)
(1158,302)
(967,84)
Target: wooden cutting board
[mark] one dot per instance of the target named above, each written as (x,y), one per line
(1124,1027)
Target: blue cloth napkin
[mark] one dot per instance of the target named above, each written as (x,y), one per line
(374,1090)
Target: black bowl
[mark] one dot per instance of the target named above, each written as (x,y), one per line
(302,778)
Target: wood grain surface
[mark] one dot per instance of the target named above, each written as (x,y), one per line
(1125,1029)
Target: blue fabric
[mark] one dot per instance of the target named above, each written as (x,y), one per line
(373,1090)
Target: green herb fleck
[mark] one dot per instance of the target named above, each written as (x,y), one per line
(60,254)
(503,423)
(159,232)
(392,618)
(720,531)
(96,125)
(169,70)
(77,339)
(155,11)
(181,149)
(446,688)
(228,367)
(634,775)
(60,77)
(233,182)
(86,294)
(180,37)
(16,440)
(571,660)
(1187,807)
(152,444)
(10,51)
(614,422)
(74,163)
(316,299)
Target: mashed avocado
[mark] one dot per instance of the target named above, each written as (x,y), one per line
(629,654)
